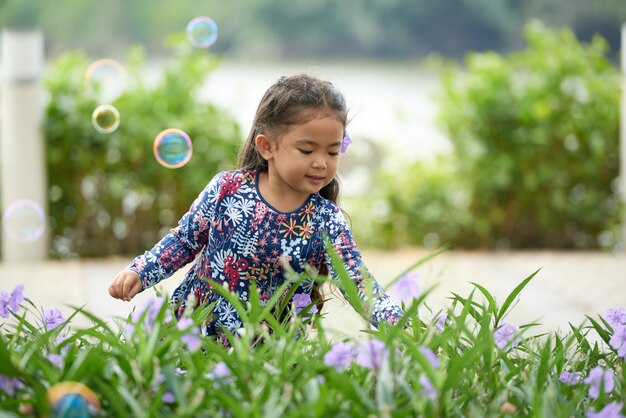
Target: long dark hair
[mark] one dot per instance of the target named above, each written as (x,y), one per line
(290,101)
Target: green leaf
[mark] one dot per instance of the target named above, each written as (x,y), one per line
(602,332)
(6,365)
(509,300)
(347,286)
(492,302)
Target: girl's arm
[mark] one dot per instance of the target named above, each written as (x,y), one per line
(384,308)
(181,245)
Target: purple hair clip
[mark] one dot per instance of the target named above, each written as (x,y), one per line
(345,142)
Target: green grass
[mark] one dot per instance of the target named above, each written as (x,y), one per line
(151,373)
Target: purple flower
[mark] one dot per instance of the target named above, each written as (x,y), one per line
(440,320)
(430,356)
(192,341)
(160,378)
(221,370)
(302,300)
(615,316)
(618,340)
(570,378)
(11,302)
(168,397)
(51,318)
(340,355)
(191,338)
(55,359)
(4,304)
(345,142)
(406,287)
(151,307)
(612,410)
(506,336)
(371,354)
(596,378)
(65,347)
(184,323)
(221,375)
(428,388)
(10,384)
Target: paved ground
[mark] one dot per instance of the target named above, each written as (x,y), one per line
(569,285)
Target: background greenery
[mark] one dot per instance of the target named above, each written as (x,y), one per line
(535,157)
(108,195)
(533,122)
(534,162)
(304,28)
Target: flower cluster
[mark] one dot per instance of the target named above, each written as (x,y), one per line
(370,354)
(598,379)
(302,301)
(51,318)
(406,287)
(506,336)
(10,302)
(191,338)
(145,314)
(612,410)
(617,319)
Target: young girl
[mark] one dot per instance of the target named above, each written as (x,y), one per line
(278,205)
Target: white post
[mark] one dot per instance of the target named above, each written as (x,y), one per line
(22,158)
(622,135)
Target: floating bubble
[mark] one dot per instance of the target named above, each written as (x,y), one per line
(24,220)
(172,148)
(105,119)
(202,32)
(73,399)
(106,79)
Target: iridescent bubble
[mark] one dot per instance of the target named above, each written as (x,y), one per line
(172,148)
(73,399)
(105,119)
(202,32)
(106,79)
(24,220)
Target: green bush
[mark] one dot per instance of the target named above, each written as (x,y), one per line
(424,206)
(536,136)
(108,195)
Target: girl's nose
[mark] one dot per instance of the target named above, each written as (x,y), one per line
(319,163)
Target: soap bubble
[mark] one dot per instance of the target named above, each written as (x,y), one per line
(172,148)
(202,32)
(24,220)
(105,119)
(73,399)
(106,79)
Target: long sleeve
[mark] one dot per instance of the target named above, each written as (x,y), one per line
(181,245)
(384,308)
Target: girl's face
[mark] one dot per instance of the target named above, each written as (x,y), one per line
(304,158)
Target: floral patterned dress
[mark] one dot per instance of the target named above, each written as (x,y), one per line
(235,237)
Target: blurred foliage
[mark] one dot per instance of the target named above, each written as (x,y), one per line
(536,154)
(108,195)
(421,203)
(304,28)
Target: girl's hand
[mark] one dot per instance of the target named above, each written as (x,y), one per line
(125,285)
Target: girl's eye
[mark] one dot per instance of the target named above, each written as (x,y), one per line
(333,154)
(304,151)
